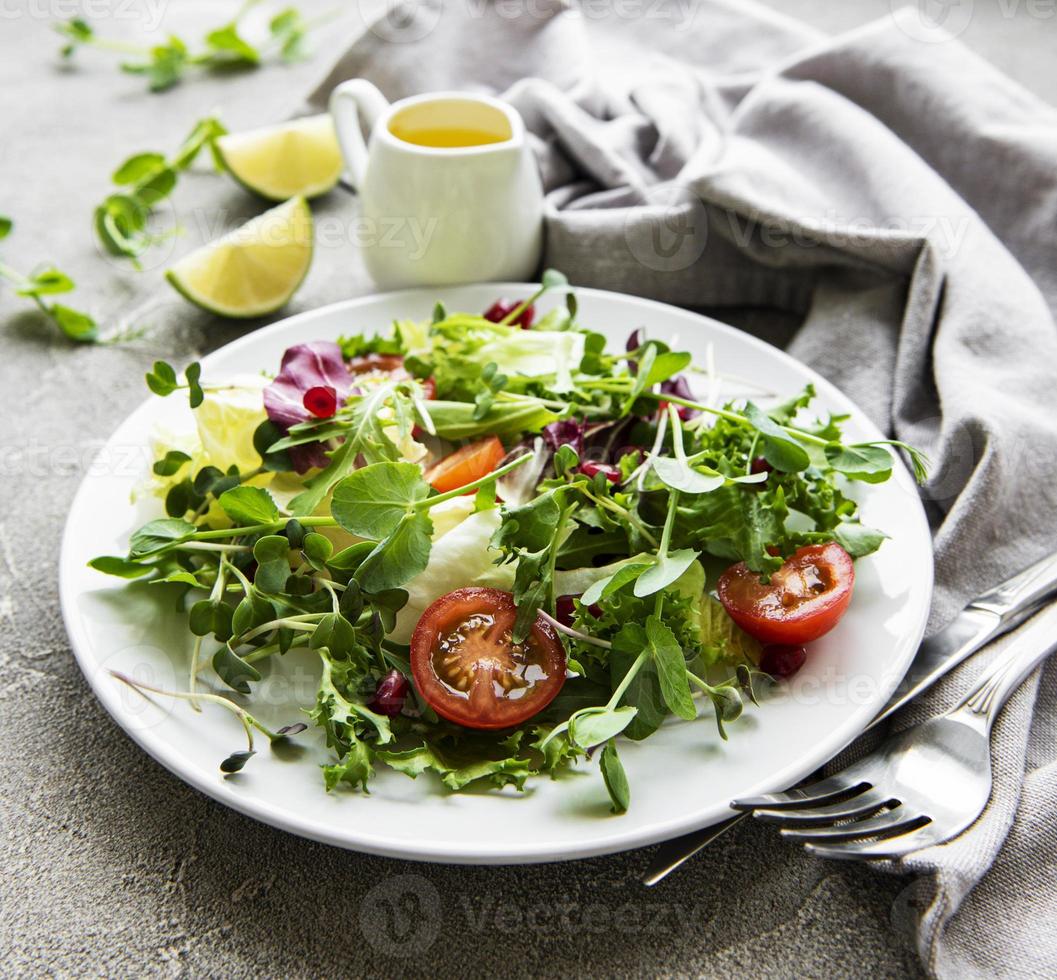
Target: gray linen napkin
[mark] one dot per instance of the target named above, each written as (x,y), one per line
(897,197)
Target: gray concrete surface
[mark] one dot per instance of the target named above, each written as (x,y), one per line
(111,866)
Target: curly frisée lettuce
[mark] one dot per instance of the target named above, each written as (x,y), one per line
(298,513)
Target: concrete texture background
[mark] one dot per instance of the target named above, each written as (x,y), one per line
(111,866)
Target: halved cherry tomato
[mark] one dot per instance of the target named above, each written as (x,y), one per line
(468,669)
(379,363)
(466,465)
(805,598)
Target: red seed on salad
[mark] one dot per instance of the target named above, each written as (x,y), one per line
(321,401)
(502,308)
(782,661)
(593,467)
(390,695)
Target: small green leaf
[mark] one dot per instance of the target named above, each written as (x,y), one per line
(170,463)
(247,506)
(318,547)
(869,464)
(374,500)
(6,224)
(615,778)
(75,324)
(607,586)
(666,366)
(678,474)
(780,449)
(161,379)
(47,282)
(229,47)
(138,167)
(233,670)
(664,573)
(251,612)
(234,762)
(158,534)
(400,557)
(857,539)
(593,726)
(193,374)
(121,567)
(671,668)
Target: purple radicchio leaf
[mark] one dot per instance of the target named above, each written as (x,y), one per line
(304,366)
(680,387)
(566,432)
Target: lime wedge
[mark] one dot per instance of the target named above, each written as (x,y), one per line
(301,157)
(253,270)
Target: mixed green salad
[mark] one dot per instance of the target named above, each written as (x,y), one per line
(506,544)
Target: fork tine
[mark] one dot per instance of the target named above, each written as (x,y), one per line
(824,789)
(899,819)
(858,806)
(889,848)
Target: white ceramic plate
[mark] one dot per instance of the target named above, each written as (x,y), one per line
(682,778)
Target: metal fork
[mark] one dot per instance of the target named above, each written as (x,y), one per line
(920,787)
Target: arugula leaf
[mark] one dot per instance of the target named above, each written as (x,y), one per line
(355,767)
(456,774)
(671,668)
(248,506)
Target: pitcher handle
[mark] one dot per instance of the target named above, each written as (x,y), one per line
(356,106)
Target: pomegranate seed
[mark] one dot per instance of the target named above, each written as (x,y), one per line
(429,389)
(390,695)
(760,465)
(501,308)
(782,661)
(592,467)
(321,401)
(565,609)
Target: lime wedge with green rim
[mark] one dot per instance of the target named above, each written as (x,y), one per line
(300,157)
(255,269)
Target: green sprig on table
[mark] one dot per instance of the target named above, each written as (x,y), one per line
(44,283)
(223,48)
(145,180)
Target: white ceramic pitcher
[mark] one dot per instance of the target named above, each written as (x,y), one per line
(449,187)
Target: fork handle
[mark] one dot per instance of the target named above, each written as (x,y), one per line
(1032,645)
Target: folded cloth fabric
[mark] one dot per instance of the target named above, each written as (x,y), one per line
(897,196)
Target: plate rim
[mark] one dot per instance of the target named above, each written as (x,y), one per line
(353,838)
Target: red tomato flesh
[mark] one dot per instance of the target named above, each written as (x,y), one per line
(466,465)
(468,669)
(804,600)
